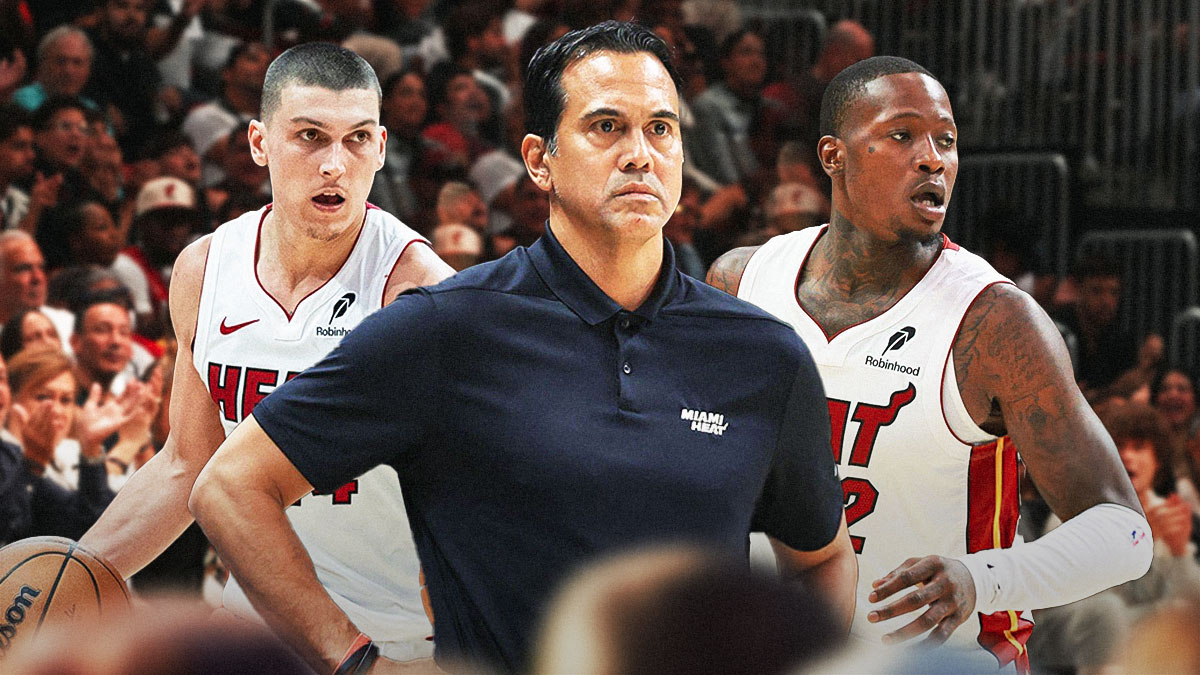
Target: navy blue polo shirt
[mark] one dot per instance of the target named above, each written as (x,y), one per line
(535,424)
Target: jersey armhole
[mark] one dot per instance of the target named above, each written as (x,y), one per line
(954,412)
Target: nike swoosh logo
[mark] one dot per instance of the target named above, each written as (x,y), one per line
(226,330)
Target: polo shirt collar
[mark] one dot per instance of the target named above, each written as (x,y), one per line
(577,291)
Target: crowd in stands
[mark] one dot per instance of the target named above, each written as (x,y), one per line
(123,137)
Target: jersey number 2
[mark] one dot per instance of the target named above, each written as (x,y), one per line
(858,494)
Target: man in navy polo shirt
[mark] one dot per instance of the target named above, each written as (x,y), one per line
(572,399)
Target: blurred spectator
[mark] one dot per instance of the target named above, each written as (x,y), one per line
(64,59)
(1164,641)
(459,245)
(103,166)
(1081,636)
(60,136)
(528,213)
(403,21)
(847,42)
(680,227)
(23,281)
(795,206)
(242,173)
(43,418)
(241,97)
(16,165)
(103,344)
(537,36)
(383,54)
(736,133)
(678,610)
(458,106)
(460,203)
(13,63)
(174,32)
(28,328)
(164,219)
(1012,247)
(172,154)
(296,21)
(721,17)
(475,42)
(496,174)
(1174,396)
(406,186)
(124,77)
(85,234)
(1108,356)
(520,17)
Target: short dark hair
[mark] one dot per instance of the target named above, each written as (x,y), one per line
(1134,421)
(544,95)
(848,86)
(110,296)
(52,106)
(468,20)
(316,64)
(12,118)
(437,84)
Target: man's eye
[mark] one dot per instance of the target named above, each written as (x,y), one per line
(900,135)
(660,128)
(947,141)
(607,126)
(362,137)
(309,134)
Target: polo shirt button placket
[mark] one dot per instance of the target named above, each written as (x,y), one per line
(626,369)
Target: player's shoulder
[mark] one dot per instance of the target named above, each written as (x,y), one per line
(387,227)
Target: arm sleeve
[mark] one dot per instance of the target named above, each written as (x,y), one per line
(1104,546)
(801,502)
(369,402)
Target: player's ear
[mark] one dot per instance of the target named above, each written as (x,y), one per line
(382,147)
(832,153)
(257,133)
(534,152)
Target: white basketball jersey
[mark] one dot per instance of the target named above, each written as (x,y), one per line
(246,345)
(918,475)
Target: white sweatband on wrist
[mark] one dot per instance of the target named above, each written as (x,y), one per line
(1102,547)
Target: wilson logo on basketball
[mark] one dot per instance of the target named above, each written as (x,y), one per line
(15,614)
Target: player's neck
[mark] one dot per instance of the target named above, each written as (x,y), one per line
(858,263)
(294,259)
(626,271)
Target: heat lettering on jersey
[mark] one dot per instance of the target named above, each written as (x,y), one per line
(237,389)
(858,494)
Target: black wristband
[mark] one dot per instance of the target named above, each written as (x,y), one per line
(359,661)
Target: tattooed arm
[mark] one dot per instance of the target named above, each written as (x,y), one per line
(1010,358)
(726,271)
(1015,377)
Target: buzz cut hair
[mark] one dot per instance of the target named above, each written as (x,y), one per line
(850,85)
(316,64)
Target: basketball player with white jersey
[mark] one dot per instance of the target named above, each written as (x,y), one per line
(938,372)
(268,295)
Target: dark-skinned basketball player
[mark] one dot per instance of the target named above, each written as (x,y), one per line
(938,370)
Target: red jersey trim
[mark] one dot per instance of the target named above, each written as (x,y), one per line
(254,262)
(199,298)
(946,244)
(993,506)
(388,281)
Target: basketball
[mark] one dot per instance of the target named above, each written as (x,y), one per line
(52,582)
